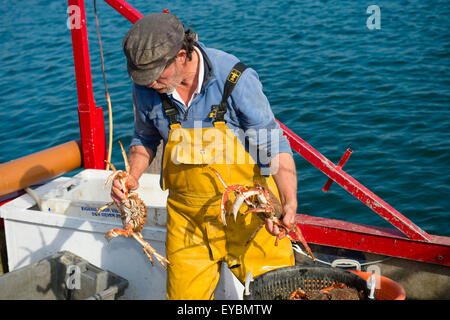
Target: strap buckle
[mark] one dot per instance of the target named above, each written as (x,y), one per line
(172,113)
(218,112)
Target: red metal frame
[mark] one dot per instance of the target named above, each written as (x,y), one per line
(384,241)
(354,187)
(341,163)
(92,125)
(416,245)
(125,9)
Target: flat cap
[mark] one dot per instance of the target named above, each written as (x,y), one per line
(150,43)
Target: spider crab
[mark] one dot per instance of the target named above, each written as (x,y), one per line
(133,213)
(265,205)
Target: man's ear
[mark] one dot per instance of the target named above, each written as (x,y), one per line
(182,55)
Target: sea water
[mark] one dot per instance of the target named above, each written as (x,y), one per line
(370,76)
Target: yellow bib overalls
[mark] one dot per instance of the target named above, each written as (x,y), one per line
(197,240)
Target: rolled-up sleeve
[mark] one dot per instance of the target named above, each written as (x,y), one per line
(145,133)
(257,118)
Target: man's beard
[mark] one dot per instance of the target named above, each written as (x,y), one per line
(165,89)
(172,85)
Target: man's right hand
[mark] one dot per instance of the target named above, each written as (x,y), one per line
(116,189)
(139,159)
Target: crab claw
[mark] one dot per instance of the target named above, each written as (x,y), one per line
(300,237)
(111,235)
(223,209)
(243,196)
(237,204)
(223,204)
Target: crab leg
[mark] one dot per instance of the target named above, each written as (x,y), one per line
(220,177)
(295,229)
(149,249)
(300,237)
(254,233)
(104,207)
(111,165)
(111,234)
(113,176)
(125,159)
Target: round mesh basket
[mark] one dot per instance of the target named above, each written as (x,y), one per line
(278,284)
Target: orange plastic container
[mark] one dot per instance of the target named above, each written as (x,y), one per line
(385,289)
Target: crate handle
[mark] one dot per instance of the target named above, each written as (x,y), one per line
(248,279)
(371,284)
(346,263)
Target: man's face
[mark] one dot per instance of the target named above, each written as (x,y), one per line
(170,79)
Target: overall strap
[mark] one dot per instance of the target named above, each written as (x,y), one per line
(169,108)
(218,110)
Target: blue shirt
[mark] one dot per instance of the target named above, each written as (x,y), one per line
(248,115)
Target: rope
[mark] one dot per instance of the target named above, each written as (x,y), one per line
(35,196)
(108,100)
(339,262)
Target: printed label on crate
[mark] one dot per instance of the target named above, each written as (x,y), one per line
(107,213)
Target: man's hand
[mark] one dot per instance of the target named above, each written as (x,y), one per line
(139,159)
(285,176)
(116,189)
(287,219)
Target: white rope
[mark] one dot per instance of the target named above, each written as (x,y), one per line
(339,262)
(35,196)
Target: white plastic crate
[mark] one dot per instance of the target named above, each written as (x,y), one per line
(65,224)
(82,195)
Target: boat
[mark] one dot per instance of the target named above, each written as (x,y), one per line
(35,203)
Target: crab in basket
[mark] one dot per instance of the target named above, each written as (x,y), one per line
(133,213)
(265,205)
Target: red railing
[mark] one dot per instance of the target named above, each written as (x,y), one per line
(354,187)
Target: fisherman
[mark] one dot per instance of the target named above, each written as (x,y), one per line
(210,112)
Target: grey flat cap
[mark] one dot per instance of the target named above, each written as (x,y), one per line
(150,43)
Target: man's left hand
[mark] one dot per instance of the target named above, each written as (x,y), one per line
(285,176)
(287,219)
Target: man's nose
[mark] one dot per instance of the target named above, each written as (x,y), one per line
(151,84)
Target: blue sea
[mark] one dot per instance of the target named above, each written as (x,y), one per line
(332,74)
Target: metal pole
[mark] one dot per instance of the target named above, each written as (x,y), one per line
(92,126)
(125,9)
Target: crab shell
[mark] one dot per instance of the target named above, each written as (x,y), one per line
(133,212)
